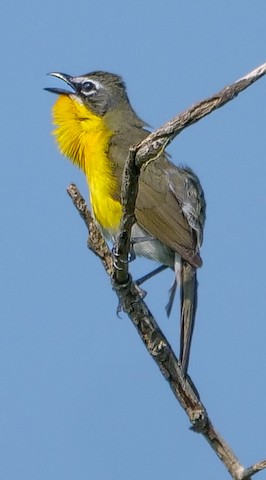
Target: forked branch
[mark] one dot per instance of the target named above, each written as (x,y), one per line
(128,294)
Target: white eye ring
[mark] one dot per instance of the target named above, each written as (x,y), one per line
(88,87)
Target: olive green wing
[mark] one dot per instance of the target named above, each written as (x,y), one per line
(170,204)
(171,207)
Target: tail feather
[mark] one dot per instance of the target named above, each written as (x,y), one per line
(188,302)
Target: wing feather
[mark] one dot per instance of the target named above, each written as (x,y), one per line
(170,204)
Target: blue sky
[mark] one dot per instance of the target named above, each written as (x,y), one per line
(79,396)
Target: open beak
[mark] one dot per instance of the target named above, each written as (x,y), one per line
(67,79)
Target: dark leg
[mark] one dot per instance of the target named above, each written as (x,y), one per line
(154,272)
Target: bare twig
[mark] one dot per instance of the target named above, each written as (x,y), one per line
(255,468)
(161,351)
(158,346)
(129,193)
(128,294)
(151,146)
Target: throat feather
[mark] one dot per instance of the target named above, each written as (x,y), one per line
(84,138)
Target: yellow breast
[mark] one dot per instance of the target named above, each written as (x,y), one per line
(83,137)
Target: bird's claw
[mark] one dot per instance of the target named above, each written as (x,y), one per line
(130,257)
(119,309)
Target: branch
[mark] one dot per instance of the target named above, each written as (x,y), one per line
(160,349)
(129,295)
(153,145)
(258,467)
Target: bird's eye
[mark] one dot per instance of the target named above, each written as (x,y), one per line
(88,87)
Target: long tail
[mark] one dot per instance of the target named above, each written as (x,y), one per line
(188,302)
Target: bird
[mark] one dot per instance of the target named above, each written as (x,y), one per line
(95,125)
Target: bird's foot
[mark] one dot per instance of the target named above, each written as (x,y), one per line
(130,257)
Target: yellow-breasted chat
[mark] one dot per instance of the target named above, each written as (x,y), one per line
(95,127)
